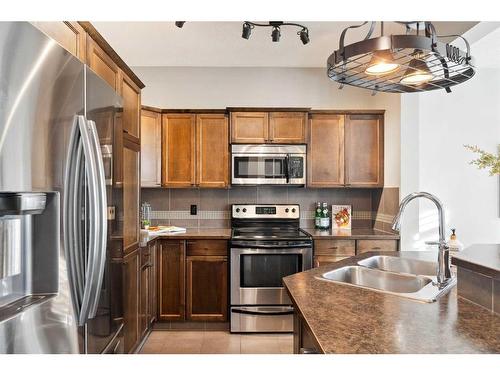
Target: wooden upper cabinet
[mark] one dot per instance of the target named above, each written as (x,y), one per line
(249,127)
(131,94)
(325,152)
(150,148)
(68,34)
(171,280)
(212,150)
(99,61)
(178,151)
(131,192)
(364,150)
(287,127)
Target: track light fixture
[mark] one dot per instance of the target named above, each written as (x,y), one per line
(276,33)
(179,24)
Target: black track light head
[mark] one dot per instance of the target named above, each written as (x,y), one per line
(304,35)
(179,24)
(247,30)
(275,35)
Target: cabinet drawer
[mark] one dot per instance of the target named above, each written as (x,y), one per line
(206,247)
(364,246)
(334,247)
(323,260)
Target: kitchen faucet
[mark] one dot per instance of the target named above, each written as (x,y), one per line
(444,273)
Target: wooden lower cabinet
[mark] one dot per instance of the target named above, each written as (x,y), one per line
(303,339)
(153,283)
(363,246)
(144,292)
(325,260)
(330,251)
(192,280)
(171,268)
(131,268)
(206,288)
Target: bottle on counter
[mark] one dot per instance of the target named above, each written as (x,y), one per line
(145,215)
(317,216)
(455,246)
(325,217)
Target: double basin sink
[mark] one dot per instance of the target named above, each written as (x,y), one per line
(405,277)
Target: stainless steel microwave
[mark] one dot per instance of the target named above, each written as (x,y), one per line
(268,165)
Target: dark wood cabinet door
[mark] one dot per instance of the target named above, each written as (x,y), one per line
(178,152)
(131,265)
(144,297)
(287,127)
(206,288)
(212,150)
(68,34)
(131,191)
(150,148)
(325,152)
(249,127)
(364,150)
(171,265)
(153,283)
(100,62)
(131,94)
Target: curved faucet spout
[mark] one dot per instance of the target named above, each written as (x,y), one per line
(444,273)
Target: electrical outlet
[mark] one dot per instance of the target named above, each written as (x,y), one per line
(194,209)
(111,212)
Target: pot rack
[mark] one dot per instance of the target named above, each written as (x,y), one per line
(448,64)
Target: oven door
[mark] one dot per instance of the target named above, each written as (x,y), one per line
(259,169)
(256,274)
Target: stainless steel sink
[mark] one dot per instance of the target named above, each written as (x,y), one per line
(418,287)
(400,265)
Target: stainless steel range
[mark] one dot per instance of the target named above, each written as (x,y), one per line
(266,245)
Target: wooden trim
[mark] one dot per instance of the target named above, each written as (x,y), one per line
(98,38)
(267,109)
(194,111)
(346,111)
(151,109)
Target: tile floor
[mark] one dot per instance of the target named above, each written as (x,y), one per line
(216,342)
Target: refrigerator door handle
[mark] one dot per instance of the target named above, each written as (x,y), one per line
(72,215)
(102,220)
(97,227)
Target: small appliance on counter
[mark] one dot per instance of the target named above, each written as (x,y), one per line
(266,245)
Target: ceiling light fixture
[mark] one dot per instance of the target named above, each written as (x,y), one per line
(401,63)
(179,24)
(417,72)
(276,33)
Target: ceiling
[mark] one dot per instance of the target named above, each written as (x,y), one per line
(219,44)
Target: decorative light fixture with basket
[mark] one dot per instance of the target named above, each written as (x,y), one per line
(401,63)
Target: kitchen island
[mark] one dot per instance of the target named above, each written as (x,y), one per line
(336,318)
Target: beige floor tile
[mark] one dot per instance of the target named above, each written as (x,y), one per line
(221,342)
(185,346)
(252,344)
(152,348)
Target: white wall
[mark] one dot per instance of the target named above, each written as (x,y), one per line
(186,87)
(434,128)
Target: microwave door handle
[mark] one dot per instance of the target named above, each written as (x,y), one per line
(287,168)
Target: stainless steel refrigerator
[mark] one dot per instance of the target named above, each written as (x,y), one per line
(60,288)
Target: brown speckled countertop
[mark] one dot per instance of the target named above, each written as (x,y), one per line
(190,234)
(352,234)
(347,319)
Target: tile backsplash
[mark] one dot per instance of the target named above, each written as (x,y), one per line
(172,206)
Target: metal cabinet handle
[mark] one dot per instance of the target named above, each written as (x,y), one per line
(376,248)
(334,247)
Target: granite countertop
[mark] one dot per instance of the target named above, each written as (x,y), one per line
(191,234)
(346,319)
(354,234)
(484,259)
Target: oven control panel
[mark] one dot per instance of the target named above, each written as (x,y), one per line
(262,211)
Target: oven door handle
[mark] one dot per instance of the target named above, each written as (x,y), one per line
(250,311)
